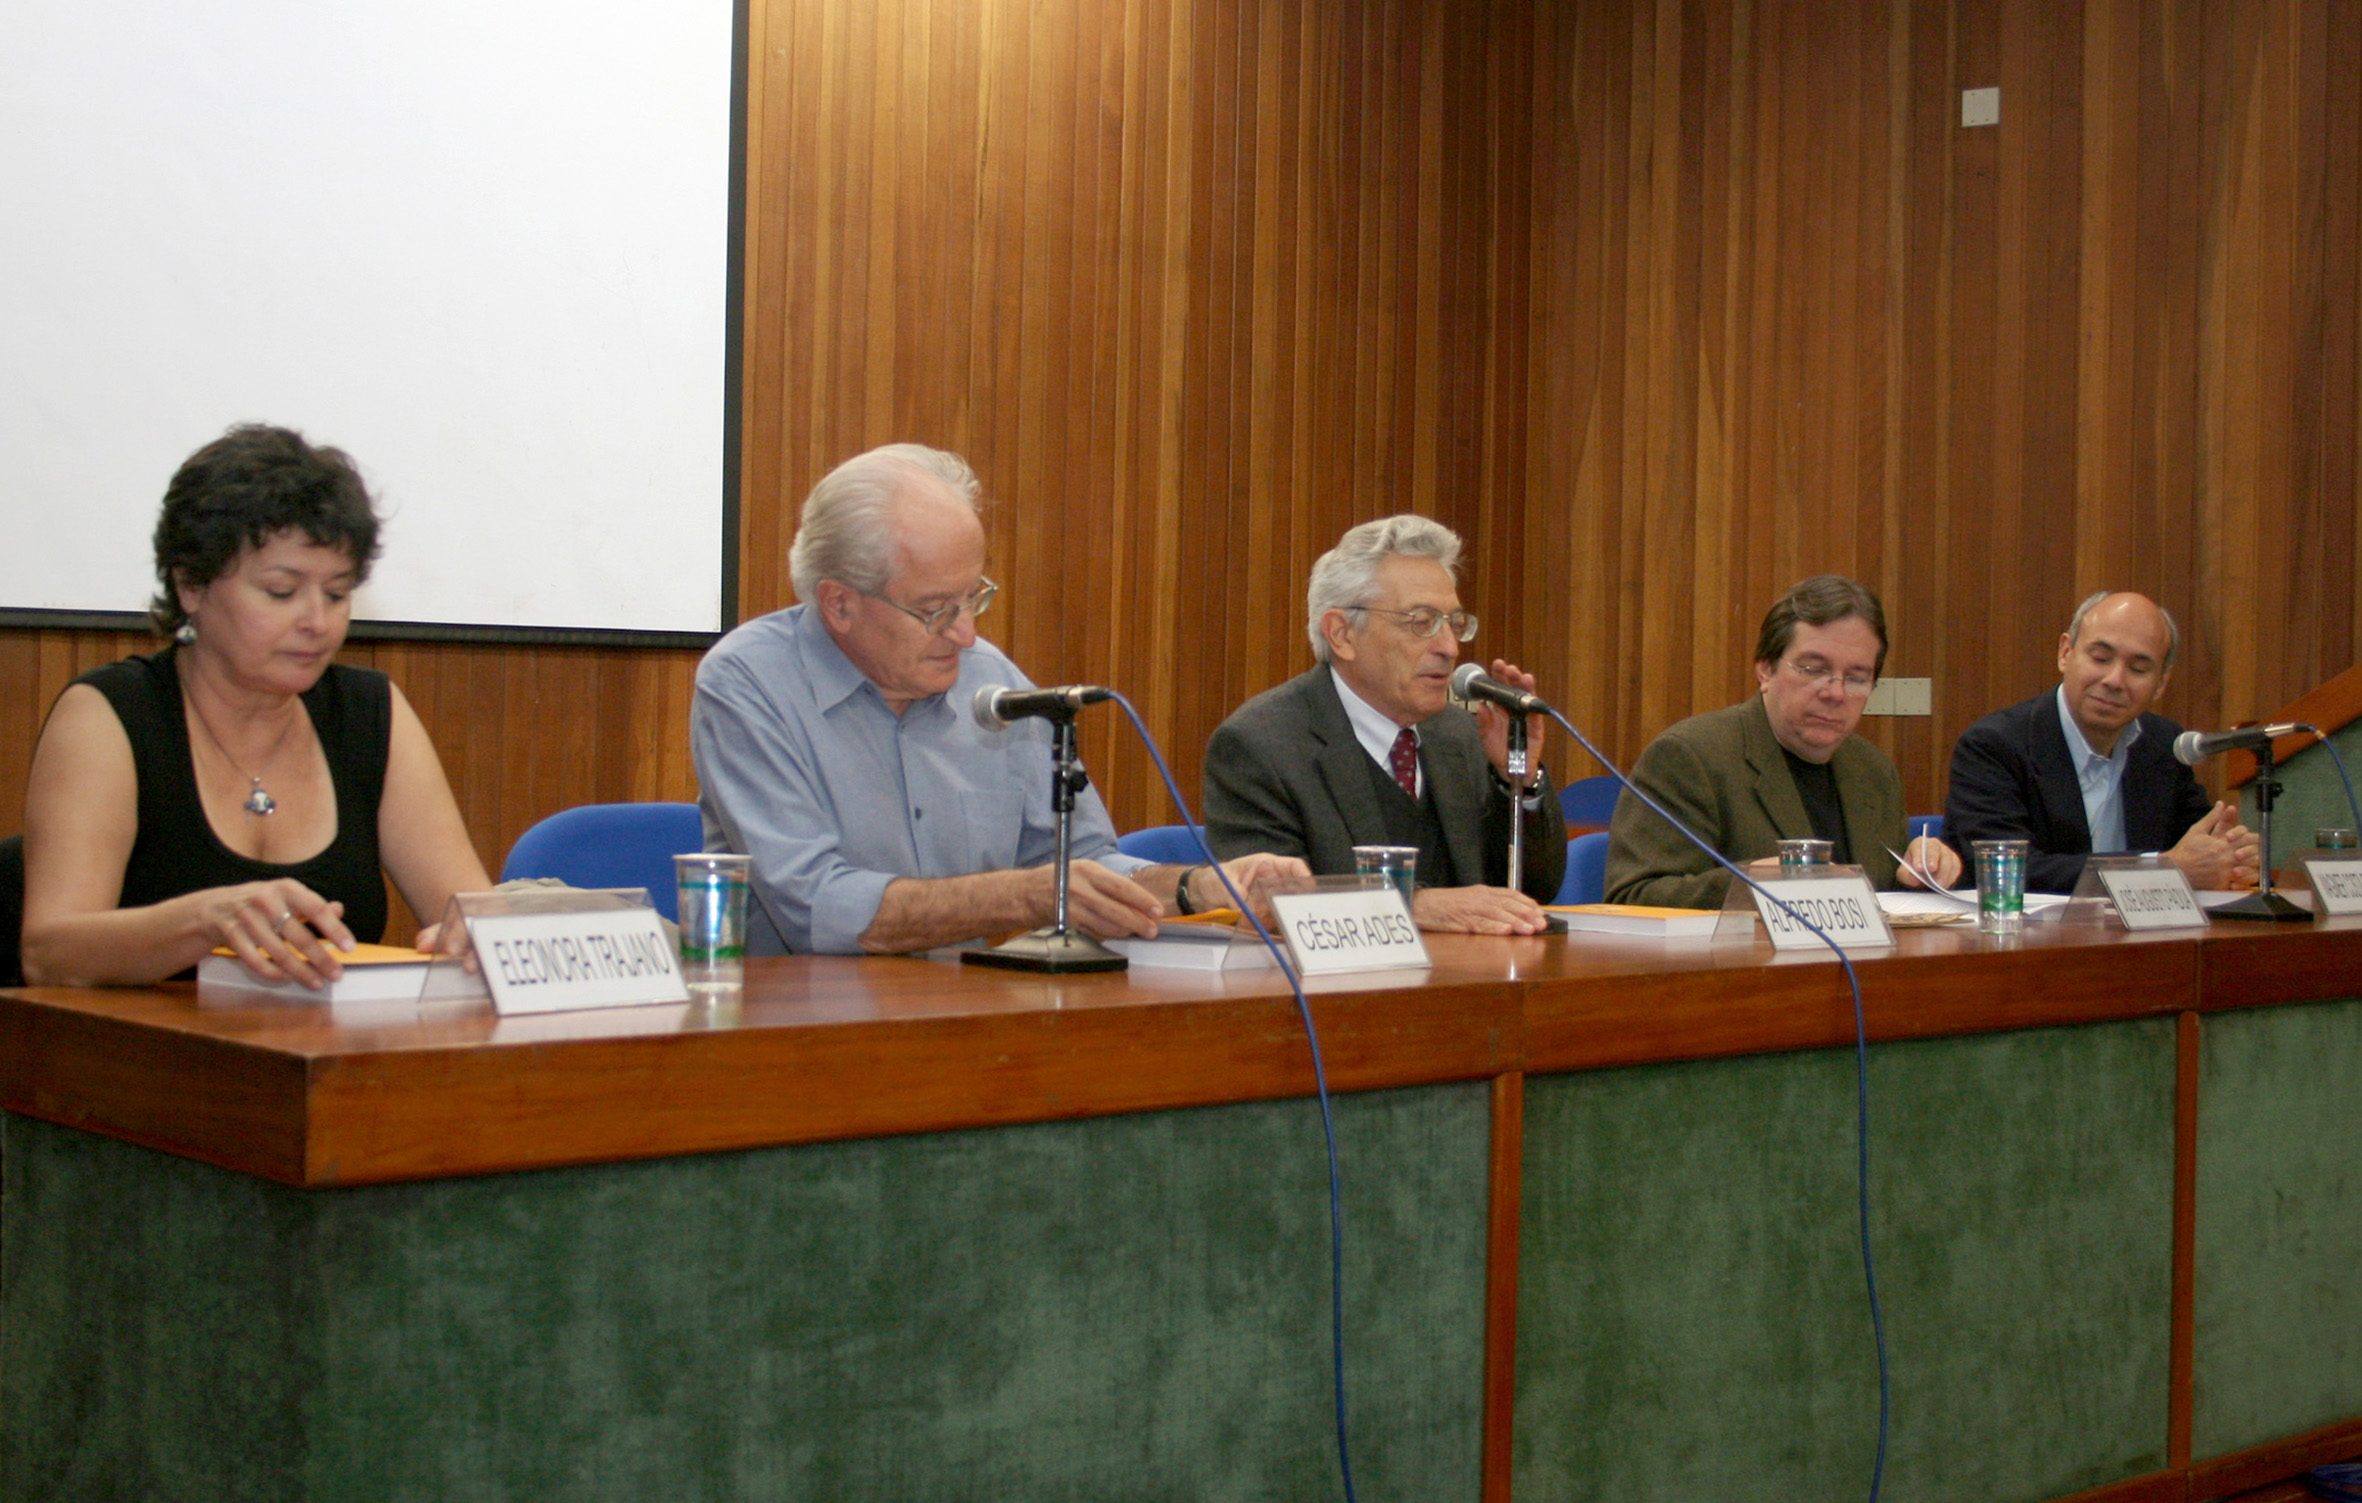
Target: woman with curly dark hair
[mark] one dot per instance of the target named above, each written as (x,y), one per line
(240,788)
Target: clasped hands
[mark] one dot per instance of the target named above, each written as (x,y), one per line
(2218,851)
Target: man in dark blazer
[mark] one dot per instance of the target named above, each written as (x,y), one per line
(1783,764)
(1366,749)
(2091,753)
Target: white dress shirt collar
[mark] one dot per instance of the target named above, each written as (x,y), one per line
(1374,729)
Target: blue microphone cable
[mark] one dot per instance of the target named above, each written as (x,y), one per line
(2352,808)
(1320,1083)
(1328,1119)
(1861,1080)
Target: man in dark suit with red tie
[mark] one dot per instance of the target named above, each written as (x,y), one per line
(1366,748)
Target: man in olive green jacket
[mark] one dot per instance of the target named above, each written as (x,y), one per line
(1783,764)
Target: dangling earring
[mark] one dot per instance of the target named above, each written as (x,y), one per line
(186,633)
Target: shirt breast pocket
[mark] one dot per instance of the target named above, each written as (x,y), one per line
(996,828)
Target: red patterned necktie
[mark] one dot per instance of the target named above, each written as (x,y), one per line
(1404,761)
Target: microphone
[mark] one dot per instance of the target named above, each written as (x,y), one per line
(2194,747)
(1470,681)
(996,707)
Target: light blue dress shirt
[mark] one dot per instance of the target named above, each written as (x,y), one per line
(802,765)
(2101,778)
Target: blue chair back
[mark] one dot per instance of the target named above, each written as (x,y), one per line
(1166,844)
(1590,801)
(1925,824)
(1586,869)
(611,845)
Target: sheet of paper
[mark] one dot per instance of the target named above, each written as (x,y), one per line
(1908,901)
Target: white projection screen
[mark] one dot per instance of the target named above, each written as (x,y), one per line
(484,246)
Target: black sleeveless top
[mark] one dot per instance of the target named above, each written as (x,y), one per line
(176,850)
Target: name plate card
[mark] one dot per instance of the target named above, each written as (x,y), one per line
(1356,929)
(553,962)
(1845,909)
(2154,897)
(2337,885)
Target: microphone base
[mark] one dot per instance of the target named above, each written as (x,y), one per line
(1049,951)
(2266,907)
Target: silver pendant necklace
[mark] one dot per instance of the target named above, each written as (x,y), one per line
(259,801)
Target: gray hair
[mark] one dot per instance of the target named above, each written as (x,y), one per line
(843,533)
(1347,575)
(2173,633)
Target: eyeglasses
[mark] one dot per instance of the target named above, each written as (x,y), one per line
(1426,620)
(941,617)
(1818,674)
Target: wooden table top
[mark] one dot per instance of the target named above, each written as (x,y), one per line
(826,1048)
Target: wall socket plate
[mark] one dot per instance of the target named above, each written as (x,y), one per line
(1980,107)
(1902,696)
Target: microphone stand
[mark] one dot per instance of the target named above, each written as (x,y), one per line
(2263,903)
(1056,949)
(1520,768)
(1518,772)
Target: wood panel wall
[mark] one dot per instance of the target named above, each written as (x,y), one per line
(1662,303)
(1194,284)
(1793,317)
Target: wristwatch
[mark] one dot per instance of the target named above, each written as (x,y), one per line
(1525,795)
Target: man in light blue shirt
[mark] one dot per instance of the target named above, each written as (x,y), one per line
(834,743)
(2101,775)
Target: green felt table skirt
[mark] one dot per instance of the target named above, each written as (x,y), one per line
(1137,1307)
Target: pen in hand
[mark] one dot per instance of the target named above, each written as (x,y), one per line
(1927,879)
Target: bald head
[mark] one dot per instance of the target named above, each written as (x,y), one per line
(2114,658)
(2127,600)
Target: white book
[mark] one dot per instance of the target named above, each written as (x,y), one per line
(1198,947)
(372,973)
(1639,918)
